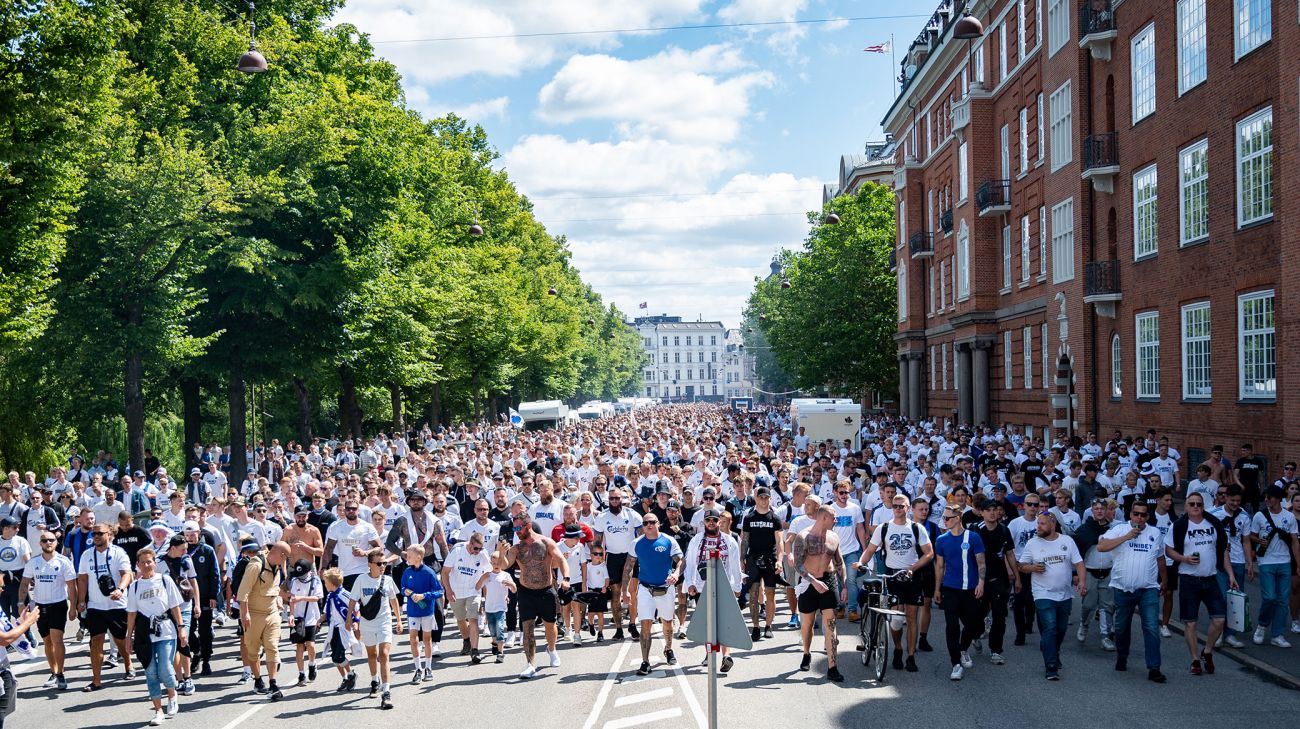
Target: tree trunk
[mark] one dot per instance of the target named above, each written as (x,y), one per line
(435,407)
(349,409)
(473,389)
(493,407)
(304,411)
(191,407)
(133,391)
(238,419)
(395,393)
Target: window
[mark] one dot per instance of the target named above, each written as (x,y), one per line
(943,283)
(1142,60)
(665,341)
(1029,357)
(1145,231)
(1006,152)
(1042,142)
(1063,241)
(963,262)
(1006,360)
(1062,133)
(1042,243)
(943,359)
(1002,52)
(676,341)
(1191,44)
(902,291)
(963,172)
(952,266)
(688,343)
(677,374)
(1058,26)
(1043,337)
(1148,354)
(933,369)
(677,357)
(715,354)
(1024,139)
(1194,197)
(979,62)
(1116,390)
(1254,24)
(931,309)
(1196,351)
(1024,248)
(1256,359)
(1038,23)
(902,222)
(713,341)
(1006,257)
(1255,167)
(665,358)
(1020,28)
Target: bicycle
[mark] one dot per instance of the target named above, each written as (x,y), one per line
(880,605)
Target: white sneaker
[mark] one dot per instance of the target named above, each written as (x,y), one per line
(966,662)
(1258,637)
(1234,641)
(577,637)
(529,671)
(957,672)
(1280,642)
(1218,643)
(173,708)
(1082,633)
(997,659)
(555,658)
(1164,632)
(1295,626)
(157,719)
(1108,645)
(435,652)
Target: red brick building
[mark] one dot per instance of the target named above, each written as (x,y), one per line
(1092,219)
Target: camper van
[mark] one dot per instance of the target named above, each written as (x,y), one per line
(543,414)
(834,418)
(595,410)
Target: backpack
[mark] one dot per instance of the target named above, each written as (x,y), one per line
(370,608)
(176,568)
(916,535)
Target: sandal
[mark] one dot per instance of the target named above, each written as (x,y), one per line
(91,687)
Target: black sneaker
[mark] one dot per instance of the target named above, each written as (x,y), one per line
(755,634)
(206,670)
(591,628)
(924,645)
(311,673)
(464,647)
(302,679)
(475,657)
(600,637)
(727,663)
(1155,676)
(911,664)
(632,631)
(349,681)
(767,632)
(1121,663)
(618,635)
(275,695)
(644,670)
(374,688)
(386,701)
(806,662)
(898,660)
(833,674)
(259,686)
(668,656)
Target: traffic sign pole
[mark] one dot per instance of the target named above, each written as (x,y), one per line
(711,636)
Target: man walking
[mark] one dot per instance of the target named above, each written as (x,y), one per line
(658,561)
(821,573)
(959,577)
(1097,564)
(1136,578)
(1053,560)
(1198,544)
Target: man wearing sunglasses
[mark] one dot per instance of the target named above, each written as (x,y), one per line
(1198,545)
(538,558)
(1136,578)
(353,539)
(51,581)
(463,576)
(713,539)
(616,529)
(658,560)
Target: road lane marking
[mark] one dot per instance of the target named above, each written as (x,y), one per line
(643,696)
(643,718)
(244,716)
(605,688)
(691,701)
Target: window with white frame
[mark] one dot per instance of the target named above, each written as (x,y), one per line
(933,367)
(1254,24)
(1196,351)
(1147,328)
(963,262)
(1007,372)
(943,283)
(1116,361)
(1042,242)
(1038,23)
(1020,29)
(1006,257)
(979,62)
(1194,196)
(1255,167)
(1042,124)
(1062,113)
(952,266)
(1256,355)
(1191,44)
(1043,337)
(902,291)
(1002,52)
(1024,139)
(1063,241)
(1145,229)
(1029,357)
(931,310)
(1024,248)
(902,222)
(1142,66)
(963,172)
(1058,26)
(943,363)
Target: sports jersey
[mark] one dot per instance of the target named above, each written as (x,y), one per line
(112,562)
(900,543)
(465,569)
(1278,551)
(1022,530)
(1237,527)
(348,537)
(619,529)
(49,578)
(655,558)
(960,568)
(1135,560)
(1059,555)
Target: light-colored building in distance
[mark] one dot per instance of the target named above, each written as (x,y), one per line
(684,360)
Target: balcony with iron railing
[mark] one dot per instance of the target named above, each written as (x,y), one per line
(921,244)
(1101,160)
(993,197)
(1101,286)
(1097,27)
(945,221)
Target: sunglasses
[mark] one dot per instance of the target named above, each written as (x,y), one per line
(99,534)
(48,541)
(1196,504)
(710,518)
(1141,514)
(475,550)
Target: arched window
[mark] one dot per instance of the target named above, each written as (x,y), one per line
(1116,389)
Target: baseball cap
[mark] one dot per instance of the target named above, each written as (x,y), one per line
(176,541)
(762,491)
(195,472)
(159,526)
(673,505)
(302,509)
(8,521)
(247,542)
(190,526)
(663,488)
(572,531)
(645,492)
(300,568)
(712,514)
(417,494)
(999,486)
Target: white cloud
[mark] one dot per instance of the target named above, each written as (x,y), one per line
(782,38)
(476,112)
(680,95)
(548,164)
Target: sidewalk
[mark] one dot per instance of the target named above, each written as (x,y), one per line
(1282,664)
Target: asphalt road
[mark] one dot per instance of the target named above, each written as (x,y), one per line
(596,688)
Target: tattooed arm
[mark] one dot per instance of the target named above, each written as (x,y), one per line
(800,551)
(628,567)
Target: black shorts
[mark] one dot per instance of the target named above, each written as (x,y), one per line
(308,635)
(926,576)
(1171,578)
(349,580)
(767,575)
(908,592)
(615,563)
(338,651)
(99,622)
(812,601)
(537,604)
(53,617)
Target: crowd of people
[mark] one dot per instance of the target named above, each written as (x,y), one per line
(525,540)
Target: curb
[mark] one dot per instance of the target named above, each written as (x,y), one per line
(1286,679)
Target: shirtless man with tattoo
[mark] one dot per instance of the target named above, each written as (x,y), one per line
(820,569)
(537,558)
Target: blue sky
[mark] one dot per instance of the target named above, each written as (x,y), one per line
(672,160)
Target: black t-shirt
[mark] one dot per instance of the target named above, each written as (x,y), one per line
(1033,470)
(1250,469)
(762,529)
(970,519)
(322,520)
(132,541)
(997,541)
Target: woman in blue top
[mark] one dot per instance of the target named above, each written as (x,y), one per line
(423,594)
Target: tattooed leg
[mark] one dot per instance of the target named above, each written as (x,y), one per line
(530,641)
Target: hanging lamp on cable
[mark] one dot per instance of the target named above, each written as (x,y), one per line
(252,61)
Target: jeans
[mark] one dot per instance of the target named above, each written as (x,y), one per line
(1274,596)
(496,623)
(964,620)
(1100,597)
(1053,621)
(853,576)
(1238,571)
(160,672)
(1146,602)
(995,603)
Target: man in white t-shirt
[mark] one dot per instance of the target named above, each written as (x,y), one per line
(1199,546)
(376,631)
(616,529)
(850,528)
(1275,527)
(350,539)
(463,575)
(102,579)
(1136,578)
(907,548)
(1053,560)
(49,579)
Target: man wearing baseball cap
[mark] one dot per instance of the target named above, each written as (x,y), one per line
(304,540)
(207,575)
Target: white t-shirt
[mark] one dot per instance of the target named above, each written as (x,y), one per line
(113,563)
(597,574)
(152,598)
(1201,540)
(491,532)
(106,513)
(49,578)
(1238,527)
(1059,555)
(496,594)
(1022,531)
(1278,551)
(619,529)
(465,569)
(901,549)
(546,516)
(364,587)
(575,556)
(847,519)
(348,537)
(307,612)
(14,553)
(1136,564)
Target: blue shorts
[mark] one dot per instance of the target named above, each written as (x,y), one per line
(1193,590)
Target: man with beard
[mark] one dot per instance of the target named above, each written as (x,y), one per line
(616,530)
(761,547)
(710,540)
(418,527)
(1097,565)
(304,540)
(353,538)
(51,581)
(820,569)
(537,557)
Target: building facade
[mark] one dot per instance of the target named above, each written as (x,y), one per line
(875,164)
(738,374)
(1044,281)
(684,361)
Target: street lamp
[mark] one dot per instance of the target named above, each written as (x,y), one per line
(252,61)
(832,219)
(552,291)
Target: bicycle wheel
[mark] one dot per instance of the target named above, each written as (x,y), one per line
(864,634)
(880,645)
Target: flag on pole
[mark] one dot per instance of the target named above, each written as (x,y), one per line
(516,419)
(643,305)
(885,47)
